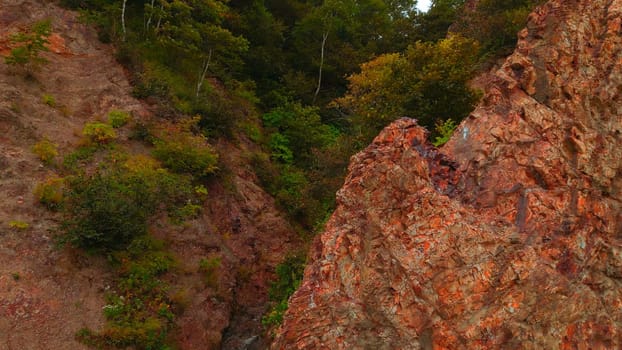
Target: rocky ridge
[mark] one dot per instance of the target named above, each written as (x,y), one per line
(509,236)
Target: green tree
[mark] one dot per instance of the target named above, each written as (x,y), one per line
(300,129)
(266,59)
(495,23)
(337,36)
(434,24)
(195,28)
(428,82)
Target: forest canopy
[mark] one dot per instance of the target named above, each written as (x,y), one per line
(311,81)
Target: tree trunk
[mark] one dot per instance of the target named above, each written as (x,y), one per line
(150,16)
(203,73)
(123,18)
(319,79)
(160,15)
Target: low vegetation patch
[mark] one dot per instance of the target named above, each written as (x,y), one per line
(139,312)
(210,267)
(50,192)
(49,100)
(117,118)
(46,151)
(107,207)
(99,133)
(28,45)
(79,157)
(18,224)
(289,275)
(444,129)
(182,151)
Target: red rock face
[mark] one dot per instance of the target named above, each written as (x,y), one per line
(510,236)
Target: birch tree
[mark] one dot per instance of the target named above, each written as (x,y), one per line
(194,27)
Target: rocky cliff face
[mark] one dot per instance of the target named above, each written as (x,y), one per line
(510,236)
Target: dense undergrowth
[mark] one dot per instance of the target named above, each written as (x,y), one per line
(108,196)
(310,82)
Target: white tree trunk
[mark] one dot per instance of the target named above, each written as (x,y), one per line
(319,79)
(203,73)
(160,14)
(123,18)
(150,16)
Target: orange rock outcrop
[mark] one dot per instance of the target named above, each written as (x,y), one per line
(510,235)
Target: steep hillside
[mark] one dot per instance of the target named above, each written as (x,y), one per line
(47,293)
(507,237)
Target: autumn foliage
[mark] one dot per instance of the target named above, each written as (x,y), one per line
(427,82)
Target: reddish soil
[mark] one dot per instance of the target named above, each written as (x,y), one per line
(46,293)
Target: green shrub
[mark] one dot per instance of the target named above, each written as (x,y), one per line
(110,206)
(188,211)
(30,45)
(108,210)
(141,132)
(49,100)
(200,191)
(253,131)
(151,83)
(118,119)
(279,147)
(45,150)
(296,131)
(138,312)
(50,192)
(289,275)
(80,154)
(18,225)
(292,188)
(99,133)
(182,157)
(444,129)
(183,152)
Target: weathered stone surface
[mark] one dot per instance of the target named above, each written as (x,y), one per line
(512,238)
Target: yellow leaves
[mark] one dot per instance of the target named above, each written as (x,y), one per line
(372,92)
(374,71)
(141,164)
(99,133)
(363,87)
(427,82)
(50,192)
(45,150)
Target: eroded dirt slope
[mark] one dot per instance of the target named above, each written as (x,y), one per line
(47,294)
(508,237)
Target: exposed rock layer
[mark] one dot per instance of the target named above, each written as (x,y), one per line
(512,238)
